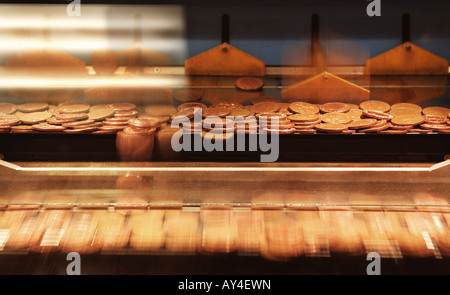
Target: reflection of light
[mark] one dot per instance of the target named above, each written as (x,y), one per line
(217,169)
(32,82)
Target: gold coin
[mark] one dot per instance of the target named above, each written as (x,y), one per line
(375,105)
(304,117)
(408,120)
(32,107)
(265,107)
(436,111)
(34,118)
(362,123)
(160,109)
(331,127)
(336,118)
(303,108)
(73,107)
(100,114)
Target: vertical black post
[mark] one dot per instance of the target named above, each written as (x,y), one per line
(226,28)
(406,28)
(315,29)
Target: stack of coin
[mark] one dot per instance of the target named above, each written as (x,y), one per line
(247,125)
(275,122)
(305,123)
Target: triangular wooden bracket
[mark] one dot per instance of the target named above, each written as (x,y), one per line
(407,59)
(325,87)
(224,60)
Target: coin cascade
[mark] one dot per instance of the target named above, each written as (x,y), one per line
(261,115)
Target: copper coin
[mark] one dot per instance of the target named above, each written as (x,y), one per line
(34,118)
(240,113)
(32,107)
(355,114)
(78,123)
(265,107)
(259,99)
(408,120)
(306,131)
(304,117)
(73,107)
(444,131)
(399,131)
(375,105)
(249,83)
(378,115)
(271,116)
(308,123)
(406,105)
(227,105)
(434,126)
(397,112)
(81,130)
(336,118)
(47,127)
(55,121)
(132,113)
(112,128)
(144,123)
(5,129)
(115,120)
(350,131)
(7,108)
(285,112)
(436,111)
(188,95)
(160,109)
(23,129)
(99,107)
(334,107)
(105,132)
(188,112)
(401,127)
(435,119)
(353,106)
(331,127)
(421,131)
(381,125)
(104,61)
(212,121)
(100,114)
(362,123)
(122,106)
(303,108)
(72,116)
(131,130)
(9,120)
(218,112)
(217,136)
(280,131)
(190,105)
(302,127)
(96,124)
